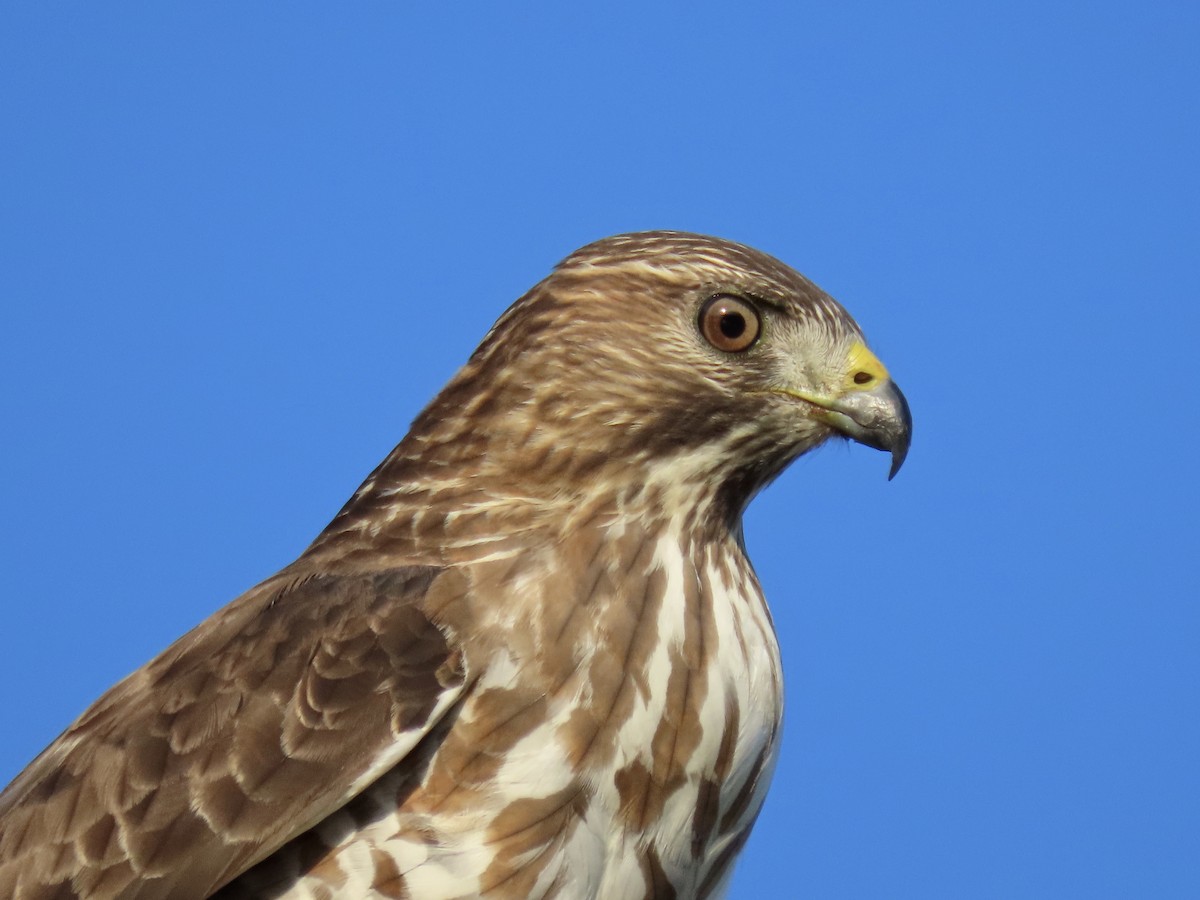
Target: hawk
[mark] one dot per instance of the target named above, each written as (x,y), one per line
(528,658)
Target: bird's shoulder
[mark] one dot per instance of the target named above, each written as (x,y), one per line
(246,731)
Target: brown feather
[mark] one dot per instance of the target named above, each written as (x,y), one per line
(222,749)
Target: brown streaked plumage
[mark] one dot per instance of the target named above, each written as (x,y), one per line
(528,658)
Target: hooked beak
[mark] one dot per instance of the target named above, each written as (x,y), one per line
(878,418)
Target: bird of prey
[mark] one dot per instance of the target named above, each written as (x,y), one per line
(529,656)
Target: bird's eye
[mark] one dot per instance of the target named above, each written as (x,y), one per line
(729,323)
(863,377)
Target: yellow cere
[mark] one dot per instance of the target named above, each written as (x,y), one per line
(860,359)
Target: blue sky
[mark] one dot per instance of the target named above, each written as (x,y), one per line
(243,247)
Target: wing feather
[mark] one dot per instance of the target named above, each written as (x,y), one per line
(243,734)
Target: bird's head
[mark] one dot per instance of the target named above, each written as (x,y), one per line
(664,355)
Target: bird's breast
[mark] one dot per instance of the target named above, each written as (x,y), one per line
(623,735)
(617,742)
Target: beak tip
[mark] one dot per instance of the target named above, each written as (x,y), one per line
(904,437)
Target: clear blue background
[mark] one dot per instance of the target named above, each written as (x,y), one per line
(242,244)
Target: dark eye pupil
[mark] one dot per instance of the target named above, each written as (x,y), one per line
(733,325)
(862,377)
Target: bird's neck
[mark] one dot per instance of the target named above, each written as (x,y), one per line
(417,507)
